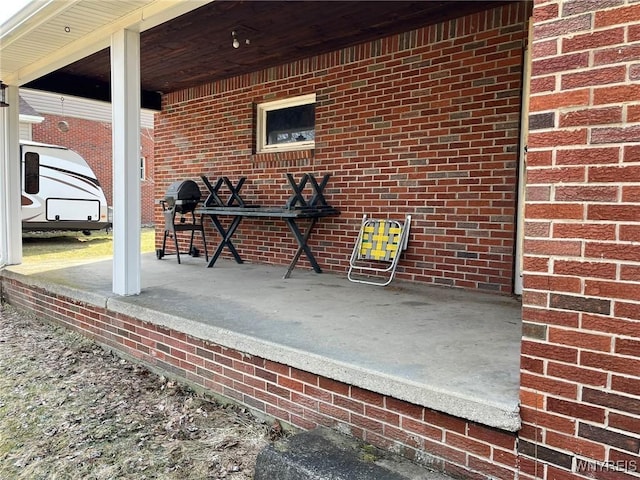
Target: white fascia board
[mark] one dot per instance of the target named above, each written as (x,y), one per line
(31,119)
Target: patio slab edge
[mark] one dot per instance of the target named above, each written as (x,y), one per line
(77,294)
(501,416)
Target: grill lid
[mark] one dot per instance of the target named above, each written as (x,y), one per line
(183,194)
(183,190)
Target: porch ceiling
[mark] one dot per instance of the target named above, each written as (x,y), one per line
(196,47)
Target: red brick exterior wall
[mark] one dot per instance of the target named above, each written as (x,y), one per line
(92,140)
(302,399)
(580,362)
(581,348)
(423,123)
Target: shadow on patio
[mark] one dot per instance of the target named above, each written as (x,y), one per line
(453,351)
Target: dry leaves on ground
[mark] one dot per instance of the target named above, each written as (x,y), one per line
(70,409)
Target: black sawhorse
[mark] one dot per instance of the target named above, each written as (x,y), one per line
(297,207)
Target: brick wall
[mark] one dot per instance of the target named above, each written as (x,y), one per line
(581,349)
(424,122)
(298,398)
(92,140)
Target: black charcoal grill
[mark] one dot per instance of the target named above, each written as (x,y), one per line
(184,195)
(181,198)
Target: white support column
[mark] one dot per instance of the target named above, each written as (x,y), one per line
(125,102)
(10,186)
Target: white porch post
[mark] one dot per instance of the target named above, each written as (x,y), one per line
(10,187)
(125,102)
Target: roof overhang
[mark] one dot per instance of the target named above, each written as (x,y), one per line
(62,46)
(46,36)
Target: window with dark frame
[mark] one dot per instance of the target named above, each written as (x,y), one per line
(31,173)
(293,124)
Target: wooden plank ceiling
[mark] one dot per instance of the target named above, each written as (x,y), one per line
(196,48)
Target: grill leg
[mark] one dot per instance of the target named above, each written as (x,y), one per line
(175,240)
(193,233)
(164,240)
(171,228)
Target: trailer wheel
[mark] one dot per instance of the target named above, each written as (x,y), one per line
(86,232)
(159,253)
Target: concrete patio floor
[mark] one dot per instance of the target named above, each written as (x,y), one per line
(450,350)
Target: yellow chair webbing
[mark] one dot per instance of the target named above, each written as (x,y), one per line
(380,240)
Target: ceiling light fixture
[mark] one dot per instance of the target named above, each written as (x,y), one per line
(63,125)
(236,42)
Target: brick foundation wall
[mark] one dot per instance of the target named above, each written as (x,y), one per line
(302,399)
(581,349)
(423,123)
(92,140)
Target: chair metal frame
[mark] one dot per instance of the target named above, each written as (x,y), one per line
(379,241)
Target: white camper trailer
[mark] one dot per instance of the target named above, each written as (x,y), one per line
(60,191)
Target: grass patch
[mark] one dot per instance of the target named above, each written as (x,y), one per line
(47,246)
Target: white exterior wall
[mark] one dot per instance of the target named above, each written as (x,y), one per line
(25,131)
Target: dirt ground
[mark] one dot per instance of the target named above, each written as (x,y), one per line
(70,409)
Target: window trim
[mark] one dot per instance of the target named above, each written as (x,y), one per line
(261,124)
(143,168)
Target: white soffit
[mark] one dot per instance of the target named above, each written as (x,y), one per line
(35,41)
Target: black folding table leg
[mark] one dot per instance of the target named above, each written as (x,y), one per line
(213,198)
(226,239)
(318,196)
(204,239)
(297,196)
(235,191)
(302,245)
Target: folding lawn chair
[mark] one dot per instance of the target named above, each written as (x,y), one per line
(377,251)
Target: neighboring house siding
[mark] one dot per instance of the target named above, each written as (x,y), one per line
(92,140)
(423,123)
(25,131)
(581,303)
